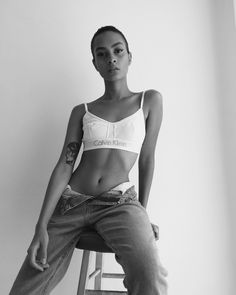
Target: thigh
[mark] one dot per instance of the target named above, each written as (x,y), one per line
(127,229)
(64,228)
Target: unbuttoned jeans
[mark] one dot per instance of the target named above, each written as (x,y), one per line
(123,224)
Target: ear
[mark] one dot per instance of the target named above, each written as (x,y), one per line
(94,63)
(130,57)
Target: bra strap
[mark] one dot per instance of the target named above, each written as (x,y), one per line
(142,99)
(85,105)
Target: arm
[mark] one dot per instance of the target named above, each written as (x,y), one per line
(59,179)
(146,162)
(64,167)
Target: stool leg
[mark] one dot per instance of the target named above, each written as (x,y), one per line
(99,265)
(83,273)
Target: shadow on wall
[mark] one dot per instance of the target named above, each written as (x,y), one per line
(225,25)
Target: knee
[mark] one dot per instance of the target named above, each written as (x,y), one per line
(149,277)
(154,284)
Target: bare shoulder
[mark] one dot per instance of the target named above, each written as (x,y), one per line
(78,111)
(153,97)
(80,108)
(153,102)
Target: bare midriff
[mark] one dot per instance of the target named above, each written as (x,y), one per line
(102,169)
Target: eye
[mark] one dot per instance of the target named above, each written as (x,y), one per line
(100,54)
(119,50)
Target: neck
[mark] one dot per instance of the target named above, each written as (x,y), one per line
(116,90)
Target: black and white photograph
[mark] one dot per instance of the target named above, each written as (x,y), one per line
(118,135)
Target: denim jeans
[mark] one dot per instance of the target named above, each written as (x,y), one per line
(123,223)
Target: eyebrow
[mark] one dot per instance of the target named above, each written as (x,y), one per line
(113,45)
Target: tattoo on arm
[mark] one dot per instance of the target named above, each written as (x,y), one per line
(72,151)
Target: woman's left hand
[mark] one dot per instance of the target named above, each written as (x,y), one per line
(155,229)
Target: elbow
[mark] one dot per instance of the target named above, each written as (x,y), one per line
(147,160)
(63,169)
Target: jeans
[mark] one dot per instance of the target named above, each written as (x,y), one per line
(123,223)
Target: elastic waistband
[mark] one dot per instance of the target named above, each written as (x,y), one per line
(111,143)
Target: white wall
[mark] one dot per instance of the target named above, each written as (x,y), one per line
(46,69)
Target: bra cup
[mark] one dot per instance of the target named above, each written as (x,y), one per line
(94,129)
(97,130)
(125,131)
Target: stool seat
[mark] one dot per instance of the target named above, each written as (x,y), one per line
(92,241)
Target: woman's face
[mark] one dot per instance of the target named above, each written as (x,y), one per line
(111,58)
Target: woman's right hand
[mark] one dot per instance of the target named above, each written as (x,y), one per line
(37,251)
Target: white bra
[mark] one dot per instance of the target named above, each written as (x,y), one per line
(126,134)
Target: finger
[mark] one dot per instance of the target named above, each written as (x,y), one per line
(43,255)
(44,266)
(32,259)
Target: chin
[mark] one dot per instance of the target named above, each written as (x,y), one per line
(114,77)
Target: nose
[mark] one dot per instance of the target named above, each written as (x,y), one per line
(111,59)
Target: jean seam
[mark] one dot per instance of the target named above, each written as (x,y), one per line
(60,260)
(108,243)
(87,211)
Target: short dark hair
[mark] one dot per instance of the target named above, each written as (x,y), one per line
(108,29)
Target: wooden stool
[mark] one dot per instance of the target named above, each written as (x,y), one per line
(92,241)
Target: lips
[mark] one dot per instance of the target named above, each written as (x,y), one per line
(114,69)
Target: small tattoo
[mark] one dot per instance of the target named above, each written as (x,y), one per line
(72,151)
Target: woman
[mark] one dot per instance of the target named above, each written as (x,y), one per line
(114,130)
